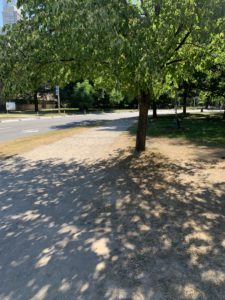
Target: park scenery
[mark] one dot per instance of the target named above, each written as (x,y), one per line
(112,150)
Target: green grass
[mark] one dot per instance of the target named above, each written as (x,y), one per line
(204,129)
(4,116)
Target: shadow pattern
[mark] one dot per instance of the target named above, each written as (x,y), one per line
(126,228)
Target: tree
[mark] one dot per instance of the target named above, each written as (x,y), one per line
(84,95)
(116,96)
(21,74)
(136,47)
(209,83)
(215,84)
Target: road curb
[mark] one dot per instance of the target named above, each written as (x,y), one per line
(9,121)
(37,118)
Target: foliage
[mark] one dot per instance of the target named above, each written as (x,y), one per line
(215,83)
(116,96)
(211,85)
(84,95)
(142,48)
(124,45)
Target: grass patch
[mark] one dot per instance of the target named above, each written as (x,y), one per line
(11,148)
(15,116)
(204,129)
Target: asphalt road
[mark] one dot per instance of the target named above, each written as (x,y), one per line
(11,130)
(17,129)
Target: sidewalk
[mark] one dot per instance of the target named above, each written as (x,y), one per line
(23,119)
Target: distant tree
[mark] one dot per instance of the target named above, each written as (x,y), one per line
(215,84)
(116,96)
(84,95)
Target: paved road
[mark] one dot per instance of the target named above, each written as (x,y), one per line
(17,129)
(13,130)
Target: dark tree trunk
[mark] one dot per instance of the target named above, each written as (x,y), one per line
(177,118)
(154,108)
(185,104)
(224,114)
(178,122)
(36,108)
(142,121)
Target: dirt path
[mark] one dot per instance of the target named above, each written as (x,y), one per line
(91,145)
(86,218)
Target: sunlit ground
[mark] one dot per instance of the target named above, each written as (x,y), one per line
(125,227)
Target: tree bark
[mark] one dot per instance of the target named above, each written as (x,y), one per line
(224,114)
(142,121)
(177,118)
(36,108)
(154,108)
(185,104)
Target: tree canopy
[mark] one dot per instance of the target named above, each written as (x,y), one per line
(137,47)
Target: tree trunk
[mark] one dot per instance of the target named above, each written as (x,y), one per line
(224,114)
(154,108)
(177,118)
(178,122)
(36,108)
(142,121)
(185,104)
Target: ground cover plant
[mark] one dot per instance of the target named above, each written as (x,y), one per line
(205,129)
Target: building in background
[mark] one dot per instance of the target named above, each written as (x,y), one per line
(11,14)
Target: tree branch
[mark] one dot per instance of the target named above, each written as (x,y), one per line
(183,41)
(174,61)
(180,45)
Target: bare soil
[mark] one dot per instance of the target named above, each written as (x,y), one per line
(21,145)
(88,218)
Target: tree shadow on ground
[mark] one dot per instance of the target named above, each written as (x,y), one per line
(200,129)
(79,123)
(110,125)
(125,228)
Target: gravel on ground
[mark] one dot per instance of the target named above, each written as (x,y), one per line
(88,218)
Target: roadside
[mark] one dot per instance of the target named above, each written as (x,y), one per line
(10,118)
(17,117)
(10,132)
(95,144)
(19,146)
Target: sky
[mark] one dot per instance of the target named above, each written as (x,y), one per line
(1,12)
(1,7)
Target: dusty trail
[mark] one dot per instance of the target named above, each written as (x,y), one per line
(86,218)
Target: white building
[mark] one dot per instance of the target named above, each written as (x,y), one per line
(10,12)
